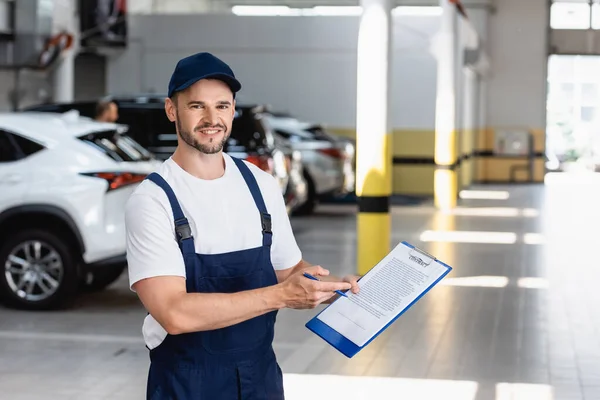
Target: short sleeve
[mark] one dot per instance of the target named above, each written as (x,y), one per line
(152,249)
(285,252)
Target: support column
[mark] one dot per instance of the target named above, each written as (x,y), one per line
(445,179)
(373,144)
(63,76)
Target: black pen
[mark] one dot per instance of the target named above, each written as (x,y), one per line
(309,276)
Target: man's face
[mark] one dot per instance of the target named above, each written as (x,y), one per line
(203,114)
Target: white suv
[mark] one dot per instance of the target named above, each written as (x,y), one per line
(64,181)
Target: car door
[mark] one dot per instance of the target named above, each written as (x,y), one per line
(13,171)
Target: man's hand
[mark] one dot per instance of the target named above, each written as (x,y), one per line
(300,292)
(353,280)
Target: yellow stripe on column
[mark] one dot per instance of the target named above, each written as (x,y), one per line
(373,189)
(373,239)
(373,173)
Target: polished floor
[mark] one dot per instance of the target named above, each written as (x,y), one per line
(517,319)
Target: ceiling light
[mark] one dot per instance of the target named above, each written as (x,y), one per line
(337,10)
(262,10)
(417,11)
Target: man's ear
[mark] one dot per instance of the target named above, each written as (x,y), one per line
(170,109)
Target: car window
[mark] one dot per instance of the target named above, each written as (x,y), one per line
(139,121)
(294,135)
(247,133)
(117,146)
(15,147)
(8,151)
(27,146)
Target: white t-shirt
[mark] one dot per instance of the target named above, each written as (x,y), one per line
(223,217)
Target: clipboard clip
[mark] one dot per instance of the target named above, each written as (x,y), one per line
(417,256)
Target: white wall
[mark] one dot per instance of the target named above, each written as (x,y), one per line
(306,65)
(516,93)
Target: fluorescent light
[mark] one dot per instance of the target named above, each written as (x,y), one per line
(530,212)
(417,11)
(469,237)
(477,281)
(533,238)
(288,11)
(484,194)
(262,10)
(491,281)
(494,212)
(337,10)
(533,283)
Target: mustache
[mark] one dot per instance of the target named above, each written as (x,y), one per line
(210,126)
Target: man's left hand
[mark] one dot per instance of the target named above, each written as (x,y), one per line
(353,280)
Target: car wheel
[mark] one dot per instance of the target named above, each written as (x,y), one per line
(37,271)
(311,201)
(101,277)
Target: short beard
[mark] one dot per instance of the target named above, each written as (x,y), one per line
(202,148)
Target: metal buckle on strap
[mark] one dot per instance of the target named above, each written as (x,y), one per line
(266,222)
(183,229)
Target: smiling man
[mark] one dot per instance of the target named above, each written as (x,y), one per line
(212,255)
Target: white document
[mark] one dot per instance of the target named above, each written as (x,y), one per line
(385,291)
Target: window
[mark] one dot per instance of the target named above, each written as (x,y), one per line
(283,133)
(139,122)
(568,15)
(8,152)
(247,132)
(15,147)
(575,14)
(27,146)
(117,146)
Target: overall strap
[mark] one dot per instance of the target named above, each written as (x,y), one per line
(182,226)
(265,217)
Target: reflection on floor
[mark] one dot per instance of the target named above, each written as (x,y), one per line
(516,319)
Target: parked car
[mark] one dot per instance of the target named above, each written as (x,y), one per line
(64,181)
(249,139)
(328,161)
(296,191)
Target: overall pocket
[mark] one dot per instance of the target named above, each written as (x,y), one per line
(246,335)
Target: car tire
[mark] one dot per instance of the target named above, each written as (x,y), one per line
(101,277)
(311,200)
(20,285)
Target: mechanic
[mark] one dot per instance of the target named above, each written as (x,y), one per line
(212,255)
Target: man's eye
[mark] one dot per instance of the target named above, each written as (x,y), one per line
(223,107)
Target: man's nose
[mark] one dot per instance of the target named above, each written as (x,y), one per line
(210,117)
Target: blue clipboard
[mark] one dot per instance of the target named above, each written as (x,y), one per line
(346,346)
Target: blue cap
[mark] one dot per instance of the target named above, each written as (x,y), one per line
(198,66)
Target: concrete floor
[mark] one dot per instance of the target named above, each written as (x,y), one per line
(518,318)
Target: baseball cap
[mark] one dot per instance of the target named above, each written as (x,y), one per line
(191,69)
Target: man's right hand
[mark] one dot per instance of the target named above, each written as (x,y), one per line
(301,292)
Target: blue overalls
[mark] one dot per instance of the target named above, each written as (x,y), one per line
(231,363)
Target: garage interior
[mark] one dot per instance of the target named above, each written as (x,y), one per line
(463,127)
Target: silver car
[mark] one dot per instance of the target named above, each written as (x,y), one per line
(328,161)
